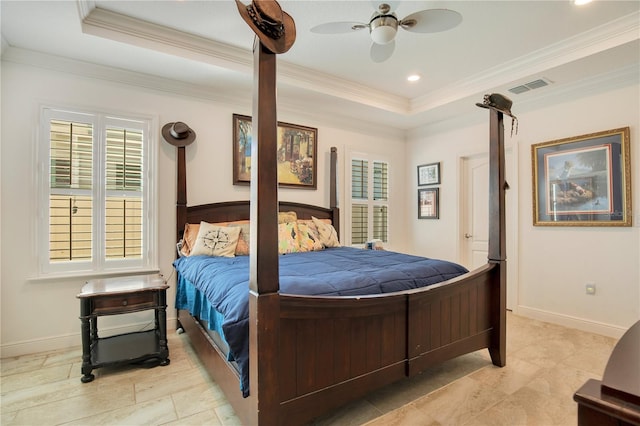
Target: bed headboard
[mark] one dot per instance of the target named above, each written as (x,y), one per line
(240,210)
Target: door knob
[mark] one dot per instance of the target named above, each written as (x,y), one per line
(466,235)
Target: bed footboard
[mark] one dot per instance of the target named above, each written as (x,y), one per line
(335,350)
(451,320)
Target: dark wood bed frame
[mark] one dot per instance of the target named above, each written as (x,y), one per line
(310,355)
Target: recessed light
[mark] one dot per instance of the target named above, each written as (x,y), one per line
(413,77)
(581,2)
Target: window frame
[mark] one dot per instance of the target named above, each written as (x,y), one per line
(99,264)
(369,202)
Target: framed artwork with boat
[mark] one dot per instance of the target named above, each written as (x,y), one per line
(583,180)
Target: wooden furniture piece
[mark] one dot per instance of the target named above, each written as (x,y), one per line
(309,355)
(116,296)
(614,400)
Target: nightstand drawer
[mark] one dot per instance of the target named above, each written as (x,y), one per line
(125,303)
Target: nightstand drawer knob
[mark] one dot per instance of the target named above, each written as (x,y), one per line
(124,302)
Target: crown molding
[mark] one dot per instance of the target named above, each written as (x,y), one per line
(599,39)
(622,77)
(540,99)
(114,26)
(136,32)
(235,98)
(85,7)
(340,88)
(118,75)
(125,29)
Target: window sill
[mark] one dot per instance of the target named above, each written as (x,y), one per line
(91,275)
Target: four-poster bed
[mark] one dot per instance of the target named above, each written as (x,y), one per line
(312,354)
(308,355)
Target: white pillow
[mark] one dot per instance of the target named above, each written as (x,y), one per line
(213,240)
(327,233)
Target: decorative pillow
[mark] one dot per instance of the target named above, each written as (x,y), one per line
(242,249)
(214,240)
(308,236)
(327,233)
(191,233)
(288,239)
(285,217)
(189,238)
(312,223)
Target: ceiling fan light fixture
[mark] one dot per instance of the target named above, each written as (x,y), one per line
(383,26)
(383,29)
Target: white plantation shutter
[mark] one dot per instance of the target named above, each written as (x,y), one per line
(359,179)
(359,223)
(380,225)
(71,183)
(124,184)
(380,198)
(359,197)
(98,193)
(369,200)
(380,181)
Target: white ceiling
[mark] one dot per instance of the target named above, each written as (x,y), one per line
(205,44)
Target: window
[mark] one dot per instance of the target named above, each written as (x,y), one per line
(369,200)
(96,193)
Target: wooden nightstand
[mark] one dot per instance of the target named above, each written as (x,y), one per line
(116,296)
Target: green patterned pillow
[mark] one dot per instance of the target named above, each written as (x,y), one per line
(284,217)
(288,239)
(308,234)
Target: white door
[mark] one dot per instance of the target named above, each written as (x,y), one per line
(475,217)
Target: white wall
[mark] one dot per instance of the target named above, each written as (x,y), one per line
(38,315)
(554,263)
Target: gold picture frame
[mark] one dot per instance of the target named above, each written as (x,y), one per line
(297,154)
(583,180)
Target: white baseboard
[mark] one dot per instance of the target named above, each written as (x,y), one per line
(68,341)
(48,344)
(571,322)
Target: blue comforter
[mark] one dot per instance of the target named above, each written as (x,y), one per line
(340,271)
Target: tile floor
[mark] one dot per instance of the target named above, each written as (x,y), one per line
(545,365)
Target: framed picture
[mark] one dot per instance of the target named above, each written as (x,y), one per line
(297,154)
(583,180)
(428,203)
(429,174)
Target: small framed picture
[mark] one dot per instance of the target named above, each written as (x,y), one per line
(429,174)
(428,203)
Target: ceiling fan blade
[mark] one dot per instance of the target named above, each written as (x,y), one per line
(338,27)
(431,21)
(382,52)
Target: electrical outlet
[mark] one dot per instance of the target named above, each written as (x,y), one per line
(591,288)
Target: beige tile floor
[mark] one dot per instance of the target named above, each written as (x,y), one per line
(545,365)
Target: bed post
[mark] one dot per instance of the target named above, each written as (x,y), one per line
(181,198)
(264,303)
(497,240)
(333,189)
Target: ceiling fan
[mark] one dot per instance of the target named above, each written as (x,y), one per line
(383,26)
